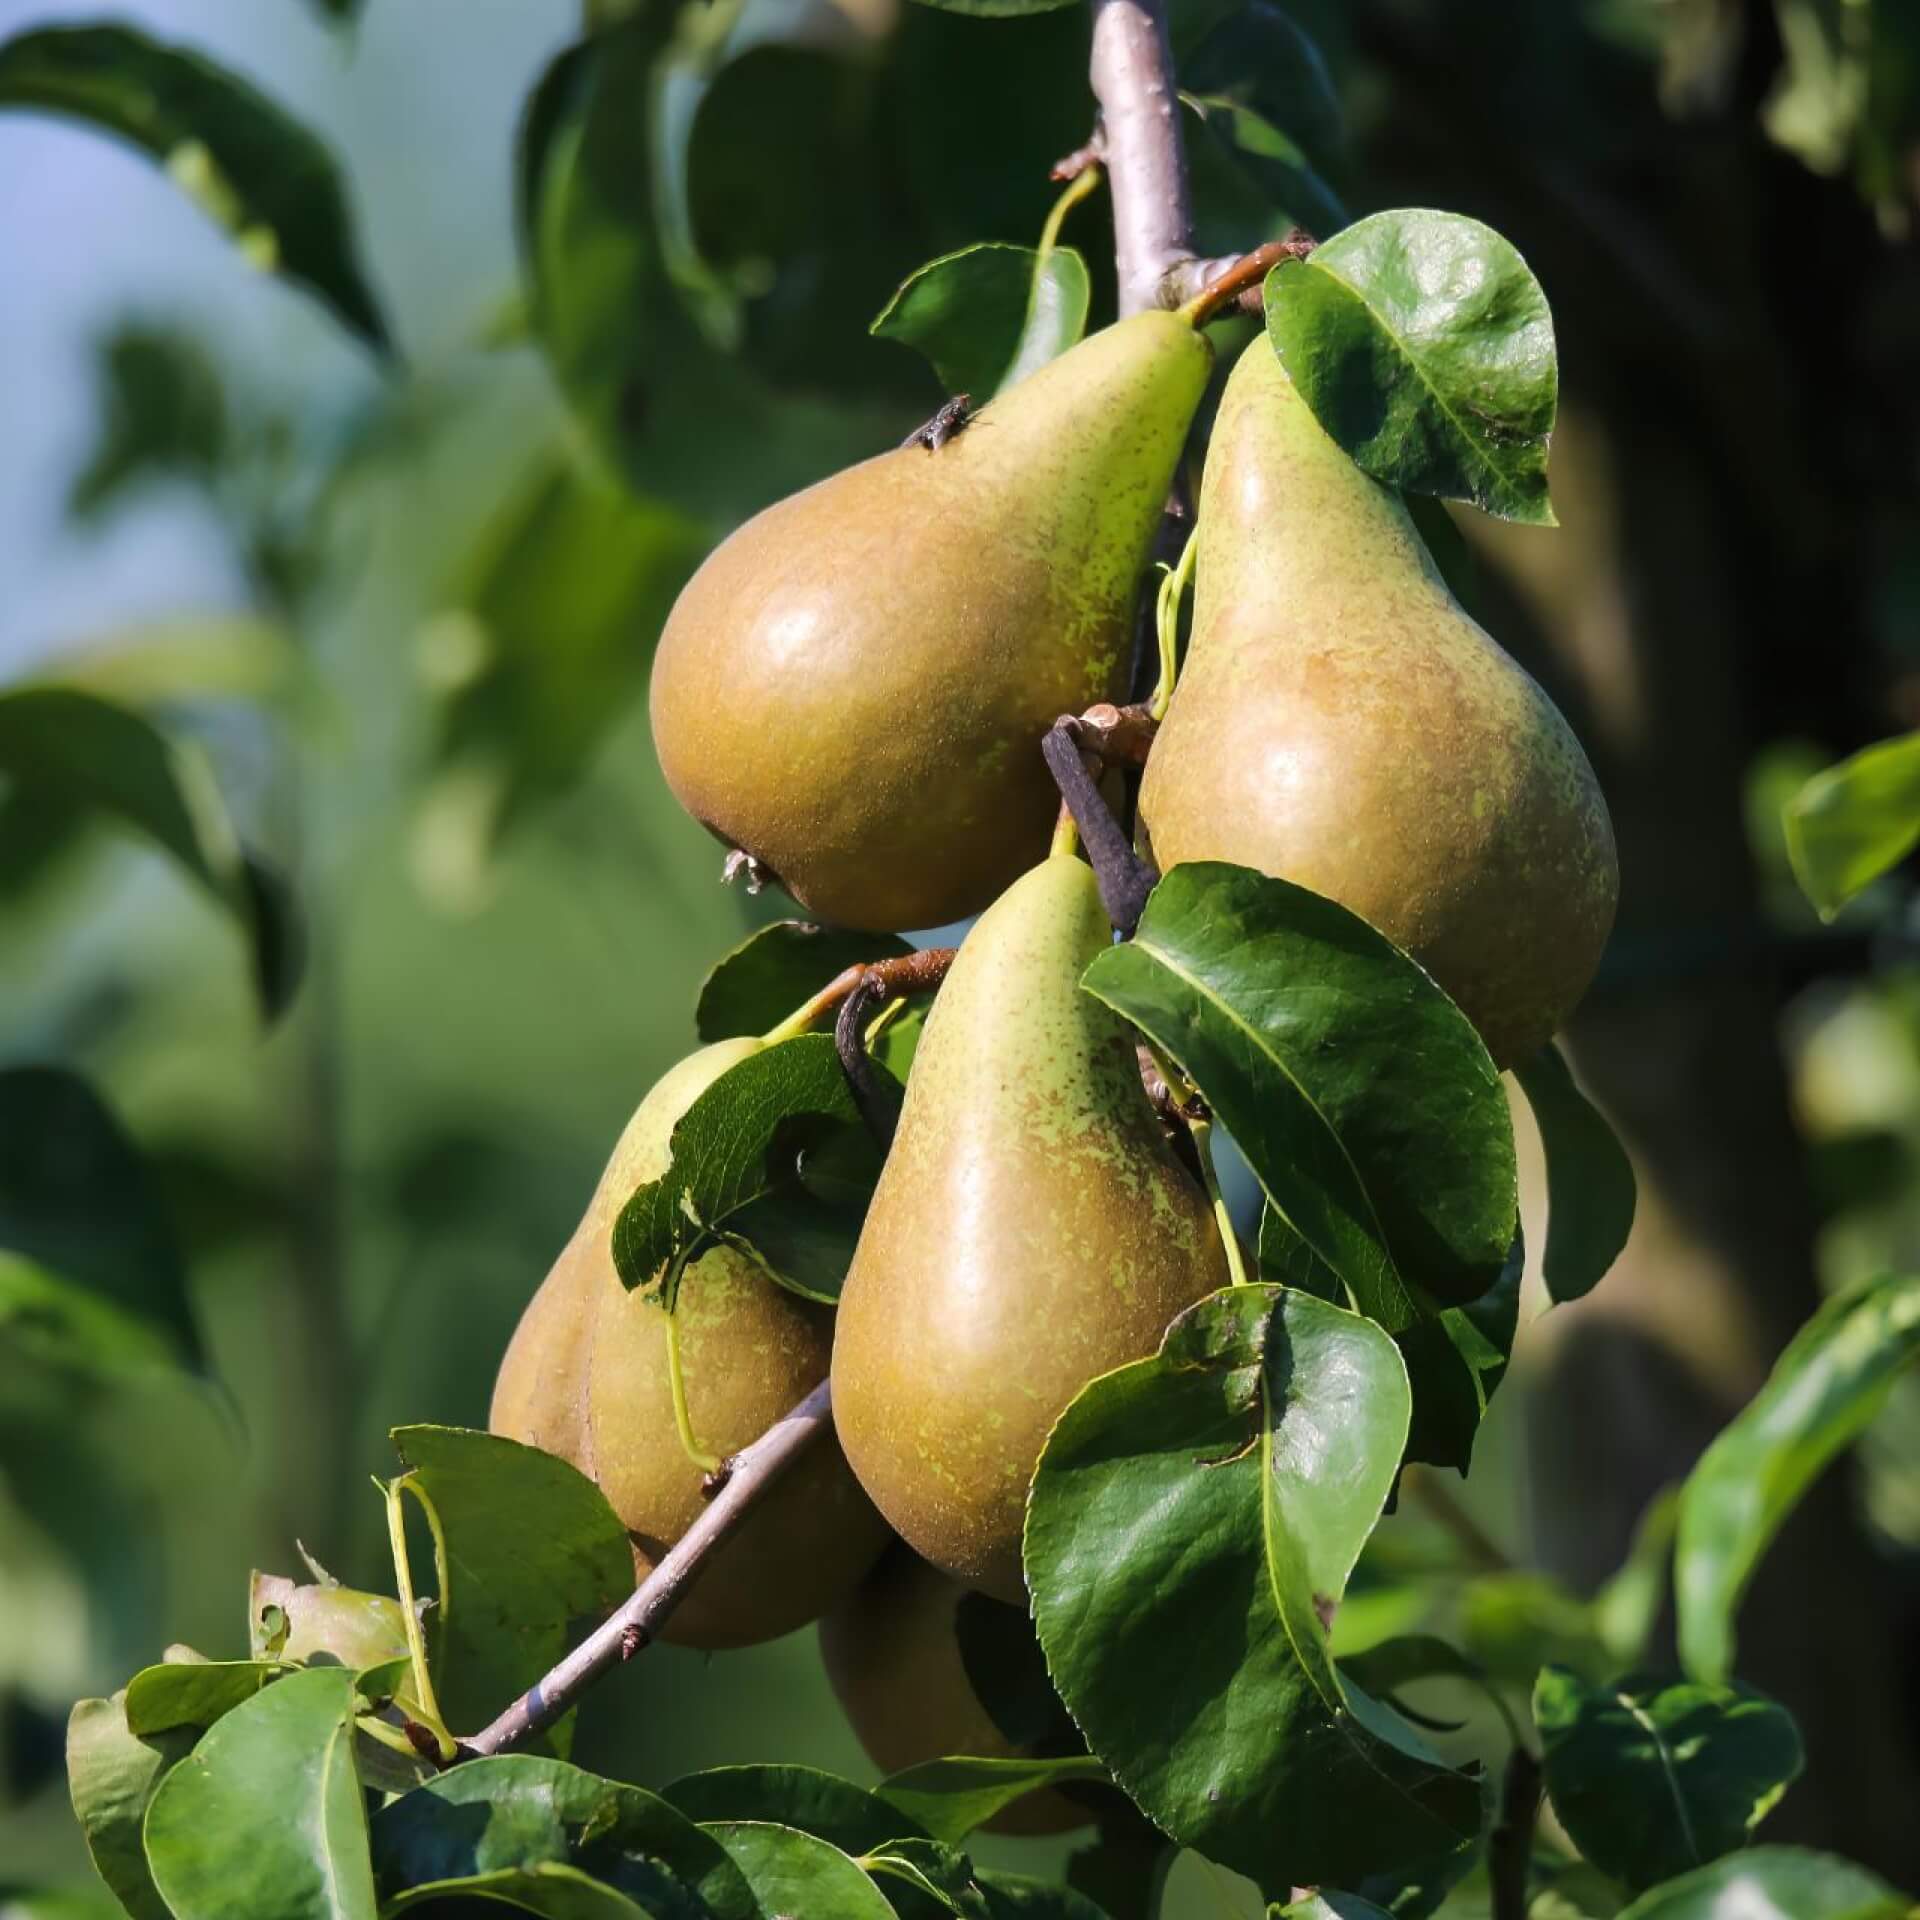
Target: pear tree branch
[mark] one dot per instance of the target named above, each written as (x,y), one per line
(1131,72)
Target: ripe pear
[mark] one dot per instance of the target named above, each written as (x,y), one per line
(892,1654)
(1032,1228)
(586,1377)
(893,643)
(1342,722)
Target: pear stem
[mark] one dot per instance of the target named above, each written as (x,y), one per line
(708,1463)
(1173,590)
(919,972)
(1242,275)
(1077,189)
(1201,1127)
(410,1612)
(1066,833)
(753,1473)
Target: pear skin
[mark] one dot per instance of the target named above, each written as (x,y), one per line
(892,1655)
(1032,1228)
(1342,722)
(894,642)
(586,1377)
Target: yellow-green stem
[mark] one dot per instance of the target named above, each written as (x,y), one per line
(1173,590)
(1066,835)
(375,1728)
(682,1419)
(409,1610)
(1077,189)
(1202,1131)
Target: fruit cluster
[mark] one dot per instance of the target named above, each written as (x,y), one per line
(853,690)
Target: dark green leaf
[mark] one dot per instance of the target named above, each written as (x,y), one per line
(504,1827)
(1773,1883)
(192,1694)
(1387,1666)
(1455,1360)
(1008,1673)
(1237,1475)
(987,316)
(1275,163)
(1361,1096)
(265,1815)
(1516,1623)
(935,1871)
(951,1798)
(1823,1390)
(737,1146)
(1018,1896)
(803,1798)
(1848,825)
(774,971)
(164,417)
(87,754)
(112,1774)
(794,1873)
(534,1550)
(1424,346)
(1590,1185)
(261,174)
(1653,1777)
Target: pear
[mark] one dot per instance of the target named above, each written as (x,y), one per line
(1342,722)
(1032,1228)
(893,643)
(892,1654)
(586,1377)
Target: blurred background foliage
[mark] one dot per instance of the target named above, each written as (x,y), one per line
(402,606)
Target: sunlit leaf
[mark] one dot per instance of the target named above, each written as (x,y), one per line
(1848,825)
(792,1872)
(774,970)
(112,1774)
(1773,1883)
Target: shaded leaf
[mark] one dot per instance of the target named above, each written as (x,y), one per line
(1008,1674)
(1773,1883)
(534,1551)
(1626,1610)
(265,1815)
(1018,1896)
(1236,1475)
(988,315)
(1849,824)
(996,9)
(1455,1360)
(1590,1184)
(163,417)
(803,1798)
(776,969)
(936,1872)
(513,1826)
(1331,1905)
(259,172)
(112,1774)
(1361,1096)
(795,1873)
(195,1694)
(1828,1384)
(1424,346)
(951,1798)
(1653,1777)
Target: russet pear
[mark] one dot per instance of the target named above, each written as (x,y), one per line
(854,686)
(1032,1228)
(1342,722)
(586,1377)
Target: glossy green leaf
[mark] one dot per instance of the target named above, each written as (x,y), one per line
(255,169)
(112,1774)
(533,1550)
(1828,1384)
(803,1798)
(1019,1896)
(1236,1475)
(987,316)
(796,1873)
(92,756)
(1424,346)
(1773,1883)
(776,969)
(1590,1184)
(933,1871)
(265,1816)
(1849,824)
(1361,1096)
(951,1798)
(1653,1777)
(518,1828)
(195,1694)
(737,1148)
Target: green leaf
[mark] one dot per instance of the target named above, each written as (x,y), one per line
(158,1699)
(259,172)
(1008,1674)
(265,1816)
(1424,346)
(803,1798)
(951,1798)
(1389,1665)
(1455,1361)
(1361,1096)
(1626,1610)
(1773,1883)
(1332,1905)
(1018,1896)
(1653,1777)
(89,755)
(1516,1623)
(987,316)
(164,417)
(936,1872)
(112,1774)
(1590,1184)
(99,1283)
(737,1147)
(533,1550)
(514,1826)
(323,1622)
(777,969)
(996,9)
(1832,1379)
(1236,1475)
(1848,825)
(795,1873)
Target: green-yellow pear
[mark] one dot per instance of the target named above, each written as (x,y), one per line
(853,688)
(892,1654)
(1342,722)
(1032,1228)
(587,1376)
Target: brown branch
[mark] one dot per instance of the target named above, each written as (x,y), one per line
(876,1099)
(1121,736)
(1510,1844)
(1240,280)
(751,1475)
(918,972)
(1124,878)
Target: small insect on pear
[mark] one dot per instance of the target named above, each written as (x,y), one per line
(948,424)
